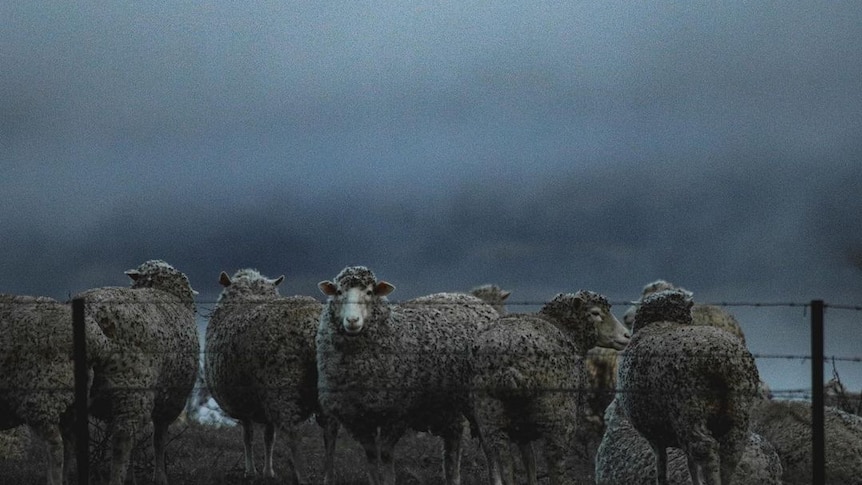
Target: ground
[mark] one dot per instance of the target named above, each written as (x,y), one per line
(202,455)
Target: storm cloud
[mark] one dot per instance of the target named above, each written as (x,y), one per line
(541,148)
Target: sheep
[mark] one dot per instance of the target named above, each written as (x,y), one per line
(624,457)
(37,373)
(602,363)
(787,425)
(701,314)
(260,365)
(688,387)
(492,295)
(384,368)
(152,358)
(496,297)
(528,373)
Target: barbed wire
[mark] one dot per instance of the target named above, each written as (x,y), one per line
(363,388)
(207,303)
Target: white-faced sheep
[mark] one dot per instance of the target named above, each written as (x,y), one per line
(624,457)
(787,425)
(37,372)
(384,368)
(688,387)
(529,374)
(152,358)
(260,365)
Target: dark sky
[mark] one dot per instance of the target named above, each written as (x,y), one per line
(541,148)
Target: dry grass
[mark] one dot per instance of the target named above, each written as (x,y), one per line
(200,455)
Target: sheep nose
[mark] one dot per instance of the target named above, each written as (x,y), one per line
(352,321)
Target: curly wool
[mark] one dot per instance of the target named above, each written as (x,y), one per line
(787,425)
(602,363)
(152,345)
(355,276)
(37,369)
(527,371)
(625,457)
(260,355)
(408,368)
(677,380)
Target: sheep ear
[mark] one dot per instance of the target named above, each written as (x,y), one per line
(224,279)
(505,294)
(133,274)
(327,287)
(278,280)
(382,288)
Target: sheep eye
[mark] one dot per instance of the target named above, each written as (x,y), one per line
(368,292)
(338,292)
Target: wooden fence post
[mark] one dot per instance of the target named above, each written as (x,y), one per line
(82,433)
(818,439)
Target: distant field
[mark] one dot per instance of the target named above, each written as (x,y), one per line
(199,455)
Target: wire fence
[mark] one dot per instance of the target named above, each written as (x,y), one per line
(817,358)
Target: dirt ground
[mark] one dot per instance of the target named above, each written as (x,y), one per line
(201,455)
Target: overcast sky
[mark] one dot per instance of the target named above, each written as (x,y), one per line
(445,144)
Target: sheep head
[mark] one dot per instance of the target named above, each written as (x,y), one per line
(247,283)
(587,315)
(162,276)
(492,295)
(664,306)
(355,298)
(648,289)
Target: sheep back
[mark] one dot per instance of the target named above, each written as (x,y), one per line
(787,425)
(261,359)
(672,372)
(153,350)
(522,356)
(36,367)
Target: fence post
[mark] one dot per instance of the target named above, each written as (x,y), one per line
(818,439)
(82,433)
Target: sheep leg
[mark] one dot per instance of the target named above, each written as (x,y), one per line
(452,458)
(388,438)
(378,453)
(330,435)
(731,448)
(528,456)
(704,451)
(555,456)
(372,456)
(54,445)
(660,453)
(160,432)
(121,444)
(68,451)
(495,443)
(268,444)
(294,472)
(693,470)
(247,441)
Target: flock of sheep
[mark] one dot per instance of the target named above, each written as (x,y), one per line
(682,403)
